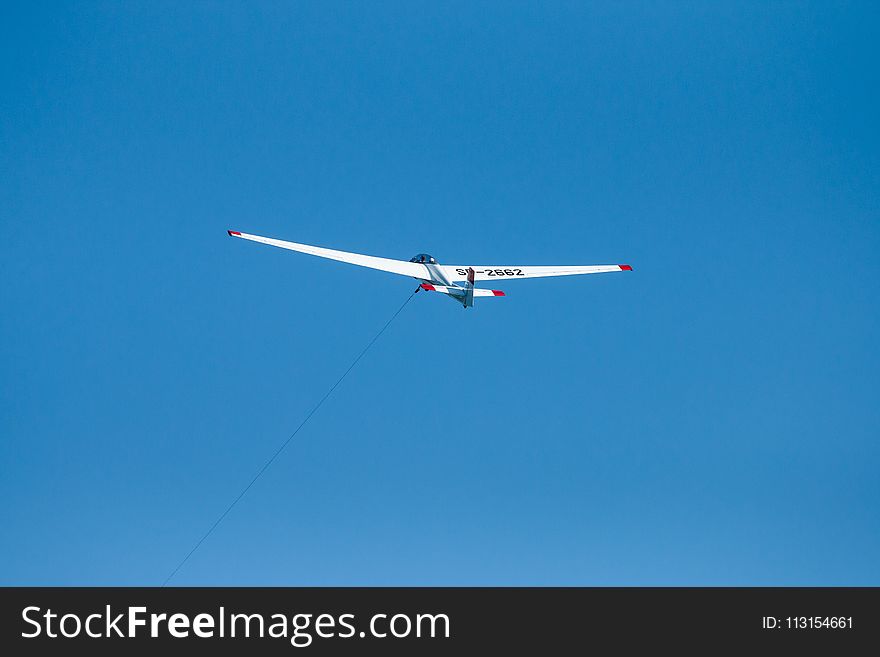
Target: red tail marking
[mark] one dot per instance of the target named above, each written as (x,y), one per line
(625,267)
(429,288)
(234,232)
(498,293)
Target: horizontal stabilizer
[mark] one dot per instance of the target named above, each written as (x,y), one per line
(459,292)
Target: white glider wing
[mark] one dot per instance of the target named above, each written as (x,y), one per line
(497,272)
(402,267)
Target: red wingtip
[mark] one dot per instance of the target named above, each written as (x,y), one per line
(498,293)
(233,233)
(429,288)
(625,267)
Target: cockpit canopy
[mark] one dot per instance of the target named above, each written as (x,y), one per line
(424,258)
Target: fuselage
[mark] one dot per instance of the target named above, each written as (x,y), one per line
(433,271)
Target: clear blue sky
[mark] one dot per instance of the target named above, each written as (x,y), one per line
(710,418)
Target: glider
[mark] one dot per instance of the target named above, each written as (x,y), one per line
(456,281)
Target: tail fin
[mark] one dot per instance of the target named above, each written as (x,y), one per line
(469,289)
